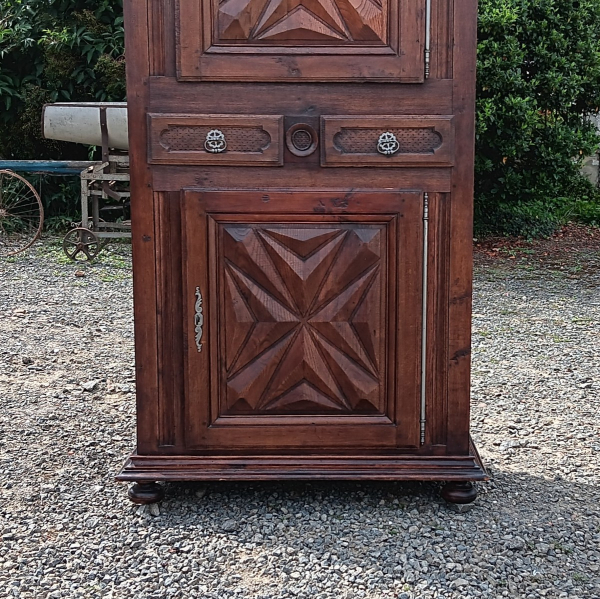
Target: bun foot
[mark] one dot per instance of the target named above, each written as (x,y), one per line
(459,492)
(144,493)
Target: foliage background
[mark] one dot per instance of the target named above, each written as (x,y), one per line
(538,80)
(56,51)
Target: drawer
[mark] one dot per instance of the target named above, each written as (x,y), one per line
(217,139)
(387,141)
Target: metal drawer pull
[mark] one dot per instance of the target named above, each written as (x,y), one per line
(215,142)
(198,319)
(387,144)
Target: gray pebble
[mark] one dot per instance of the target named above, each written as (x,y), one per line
(68,530)
(230,526)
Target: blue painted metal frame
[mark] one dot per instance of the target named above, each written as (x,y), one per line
(49,167)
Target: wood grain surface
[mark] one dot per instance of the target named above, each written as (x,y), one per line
(279,291)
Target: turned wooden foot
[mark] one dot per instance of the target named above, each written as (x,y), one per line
(459,492)
(146,492)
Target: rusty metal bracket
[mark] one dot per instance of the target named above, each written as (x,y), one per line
(105,154)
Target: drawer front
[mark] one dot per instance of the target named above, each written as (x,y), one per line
(216,139)
(387,141)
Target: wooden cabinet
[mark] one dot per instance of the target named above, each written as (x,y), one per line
(302,203)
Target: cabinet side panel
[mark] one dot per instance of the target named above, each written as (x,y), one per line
(143,236)
(461,228)
(162,37)
(156,17)
(409,289)
(442,39)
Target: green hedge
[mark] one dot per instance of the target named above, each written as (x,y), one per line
(53,51)
(56,51)
(538,79)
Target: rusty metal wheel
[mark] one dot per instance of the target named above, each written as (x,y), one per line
(21,213)
(81,244)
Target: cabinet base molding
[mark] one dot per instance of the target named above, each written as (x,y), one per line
(306,467)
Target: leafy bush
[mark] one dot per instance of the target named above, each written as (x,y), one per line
(52,51)
(538,80)
(56,51)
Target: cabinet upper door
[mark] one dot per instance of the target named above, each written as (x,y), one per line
(301,40)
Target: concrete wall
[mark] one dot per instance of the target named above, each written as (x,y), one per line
(591,165)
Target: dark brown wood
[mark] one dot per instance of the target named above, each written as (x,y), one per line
(279,272)
(352,140)
(144,492)
(442,38)
(170,320)
(437,317)
(174,178)
(272,40)
(460,492)
(145,303)
(251,141)
(306,325)
(434,98)
(461,230)
(375,466)
(301,138)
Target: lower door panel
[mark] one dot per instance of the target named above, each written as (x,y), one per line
(302,319)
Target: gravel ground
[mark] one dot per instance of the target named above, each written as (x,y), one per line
(67,423)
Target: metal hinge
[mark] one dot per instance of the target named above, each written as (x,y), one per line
(427,39)
(423,419)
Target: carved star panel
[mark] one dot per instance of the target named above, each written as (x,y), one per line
(310,21)
(303,319)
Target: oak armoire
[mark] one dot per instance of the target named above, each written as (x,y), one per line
(302,180)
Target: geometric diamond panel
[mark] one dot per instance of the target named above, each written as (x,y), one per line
(303,318)
(293,21)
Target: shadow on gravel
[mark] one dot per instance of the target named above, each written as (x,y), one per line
(523,532)
(519,492)
(509,499)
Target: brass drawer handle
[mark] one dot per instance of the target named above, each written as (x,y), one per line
(387,144)
(215,142)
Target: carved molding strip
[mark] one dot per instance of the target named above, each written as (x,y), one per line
(423,411)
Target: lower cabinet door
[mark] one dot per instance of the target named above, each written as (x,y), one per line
(303,320)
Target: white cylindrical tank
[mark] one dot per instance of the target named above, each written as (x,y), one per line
(80,122)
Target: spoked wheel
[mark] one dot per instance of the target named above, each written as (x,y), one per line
(21,213)
(81,244)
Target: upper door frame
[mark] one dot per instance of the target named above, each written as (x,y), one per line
(398,57)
